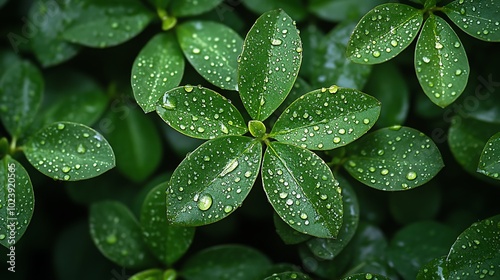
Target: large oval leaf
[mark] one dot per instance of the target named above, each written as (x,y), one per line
(384,32)
(302,190)
(227,262)
(441,62)
(325,119)
(200,113)
(21,90)
(212,181)
(488,162)
(479,19)
(213,49)
(158,67)
(117,234)
(69,151)
(16,201)
(269,63)
(168,243)
(183,8)
(106,23)
(393,159)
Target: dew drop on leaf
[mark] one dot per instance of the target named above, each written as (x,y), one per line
(205,202)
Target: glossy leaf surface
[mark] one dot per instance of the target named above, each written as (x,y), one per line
(489,164)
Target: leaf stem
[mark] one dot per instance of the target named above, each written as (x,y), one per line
(168,22)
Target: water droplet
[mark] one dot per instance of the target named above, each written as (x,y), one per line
(248,174)
(376,54)
(60,126)
(169,102)
(201,129)
(111,239)
(114,25)
(336,140)
(228,208)
(188,88)
(196,51)
(283,195)
(438,46)
(384,172)
(229,168)
(86,135)
(276,42)
(366,121)
(426,59)
(303,216)
(80,149)
(458,72)
(66,169)
(205,202)
(394,43)
(66,177)
(2,236)
(456,45)
(333,89)
(411,176)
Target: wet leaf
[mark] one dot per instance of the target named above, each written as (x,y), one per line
(384,32)
(102,24)
(340,10)
(476,252)
(302,190)
(331,64)
(200,113)
(479,19)
(311,36)
(117,234)
(394,159)
(269,63)
(51,19)
(16,201)
(159,67)
(433,270)
(136,143)
(69,151)
(226,262)
(328,248)
(441,62)
(287,233)
(184,8)
(167,242)
(417,244)
(21,90)
(295,8)
(326,118)
(213,49)
(288,275)
(365,276)
(212,181)
(488,162)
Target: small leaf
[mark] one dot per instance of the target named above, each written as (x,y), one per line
(365,276)
(302,190)
(168,243)
(47,43)
(328,248)
(394,159)
(341,10)
(384,32)
(476,252)
(159,67)
(69,151)
(416,244)
(288,275)
(200,113)
(269,63)
(21,90)
(227,262)
(295,8)
(184,8)
(212,48)
(325,119)
(150,274)
(117,234)
(489,164)
(441,62)
(212,181)
(479,19)
(332,66)
(109,23)
(16,201)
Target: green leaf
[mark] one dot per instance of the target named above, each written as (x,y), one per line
(158,67)
(479,19)
(117,234)
(384,32)
(150,274)
(441,62)
(288,275)
(325,119)
(3,2)
(212,181)
(168,243)
(328,248)
(302,190)
(488,162)
(47,43)
(103,24)
(341,10)
(69,151)
(287,233)
(227,262)
(365,276)
(136,143)
(21,90)
(311,36)
(331,64)
(269,63)
(394,159)
(476,252)
(467,137)
(200,113)
(213,49)
(393,93)
(416,244)
(184,8)
(434,269)
(16,200)
(406,207)
(295,8)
